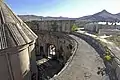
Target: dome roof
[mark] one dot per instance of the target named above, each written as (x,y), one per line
(13,31)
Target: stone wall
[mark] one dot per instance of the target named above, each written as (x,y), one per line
(52,25)
(73,52)
(62,42)
(16,61)
(93,42)
(47,35)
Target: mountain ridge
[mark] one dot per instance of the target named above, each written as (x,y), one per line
(101,16)
(39,18)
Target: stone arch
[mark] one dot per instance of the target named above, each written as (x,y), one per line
(51,51)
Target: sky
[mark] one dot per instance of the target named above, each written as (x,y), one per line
(65,8)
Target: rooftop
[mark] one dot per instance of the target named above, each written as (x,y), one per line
(13,31)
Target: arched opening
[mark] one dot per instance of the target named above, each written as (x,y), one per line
(51,51)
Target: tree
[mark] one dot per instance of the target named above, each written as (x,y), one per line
(74,27)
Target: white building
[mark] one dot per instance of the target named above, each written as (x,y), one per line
(95,27)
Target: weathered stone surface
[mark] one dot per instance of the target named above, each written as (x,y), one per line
(16,45)
(52,25)
(13,31)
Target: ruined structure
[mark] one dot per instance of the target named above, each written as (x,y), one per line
(17,41)
(51,25)
(51,32)
(18,49)
(55,47)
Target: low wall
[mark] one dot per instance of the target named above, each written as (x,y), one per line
(75,46)
(93,42)
(113,68)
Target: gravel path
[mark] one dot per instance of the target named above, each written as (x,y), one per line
(84,64)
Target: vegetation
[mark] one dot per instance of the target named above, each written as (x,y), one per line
(74,27)
(115,39)
(105,47)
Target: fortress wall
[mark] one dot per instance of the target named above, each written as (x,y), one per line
(61,41)
(51,25)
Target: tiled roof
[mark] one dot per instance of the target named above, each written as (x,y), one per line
(13,31)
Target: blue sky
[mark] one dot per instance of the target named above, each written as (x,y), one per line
(65,8)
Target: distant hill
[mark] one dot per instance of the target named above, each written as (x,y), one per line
(118,15)
(39,18)
(101,16)
(30,17)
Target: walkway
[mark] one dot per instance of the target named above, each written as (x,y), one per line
(115,49)
(84,64)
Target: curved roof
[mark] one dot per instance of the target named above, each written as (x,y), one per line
(13,31)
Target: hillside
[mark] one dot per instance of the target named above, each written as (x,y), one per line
(101,16)
(39,18)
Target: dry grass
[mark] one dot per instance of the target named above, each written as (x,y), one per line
(114,39)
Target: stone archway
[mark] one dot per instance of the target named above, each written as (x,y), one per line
(51,51)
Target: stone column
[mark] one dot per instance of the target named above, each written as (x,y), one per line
(33,64)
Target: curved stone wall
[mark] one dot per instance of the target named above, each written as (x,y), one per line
(62,42)
(113,67)
(16,63)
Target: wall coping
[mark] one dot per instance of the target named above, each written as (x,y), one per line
(69,60)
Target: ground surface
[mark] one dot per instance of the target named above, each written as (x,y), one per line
(84,64)
(115,39)
(48,69)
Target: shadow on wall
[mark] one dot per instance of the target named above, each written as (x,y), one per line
(26,75)
(52,51)
(49,69)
